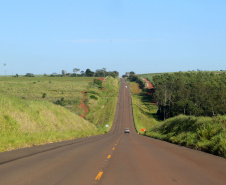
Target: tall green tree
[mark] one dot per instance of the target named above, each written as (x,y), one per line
(89,73)
(199,94)
(76,70)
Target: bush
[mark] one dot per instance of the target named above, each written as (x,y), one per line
(135,78)
(98,82)
(61,102)
(203,133)
(94,97)
(29,75)
(43,95)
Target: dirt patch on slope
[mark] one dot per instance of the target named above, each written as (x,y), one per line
(82,105)
(148,84)
(102,79)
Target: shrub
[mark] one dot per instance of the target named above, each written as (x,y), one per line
(43,95)
(94,97)
(29,75)
(98,82)
(61,102)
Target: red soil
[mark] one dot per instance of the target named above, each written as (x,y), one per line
(82,104)
(148,93)
(102,79)
(138,89)
(149,84)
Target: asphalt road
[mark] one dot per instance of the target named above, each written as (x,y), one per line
(112,159)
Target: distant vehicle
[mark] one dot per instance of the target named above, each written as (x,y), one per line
(126,130)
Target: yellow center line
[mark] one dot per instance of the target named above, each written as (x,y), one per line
(113,148)
(115,144)
(99,176)
(109,156)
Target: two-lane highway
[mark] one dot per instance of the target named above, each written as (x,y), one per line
(113,159)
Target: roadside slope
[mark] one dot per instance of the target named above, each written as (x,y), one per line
(201,133)
(102,103)
(26,123)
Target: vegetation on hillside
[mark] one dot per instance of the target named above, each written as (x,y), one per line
(102,104)
(64,91)
(149,76)
(42,110)
(144,111)
(199,94)
(201,133)
(25,123)
(144,114)
(135,78)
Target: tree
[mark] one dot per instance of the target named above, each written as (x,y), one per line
(127,74)
(82,73)
(29,75)
(113,73)
(199,94)
(99,73)
(54,74)
(64,72)
(132,73)
(104,69)
(89,73)
(75,70)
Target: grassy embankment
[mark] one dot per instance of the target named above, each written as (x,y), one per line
(144,112)
(26,123)
(102,104)
(201,133)
(27,118)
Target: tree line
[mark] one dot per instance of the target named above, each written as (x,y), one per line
(134,78)
(199,94)
(88,73)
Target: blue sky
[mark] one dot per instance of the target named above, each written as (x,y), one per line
(143,36)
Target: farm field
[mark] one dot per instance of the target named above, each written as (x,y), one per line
(49,89)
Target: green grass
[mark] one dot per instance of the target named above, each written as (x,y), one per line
(55,88)
(27,123)
(134,88)
(102,107)
(144,112)
(202,133)
(28,119)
